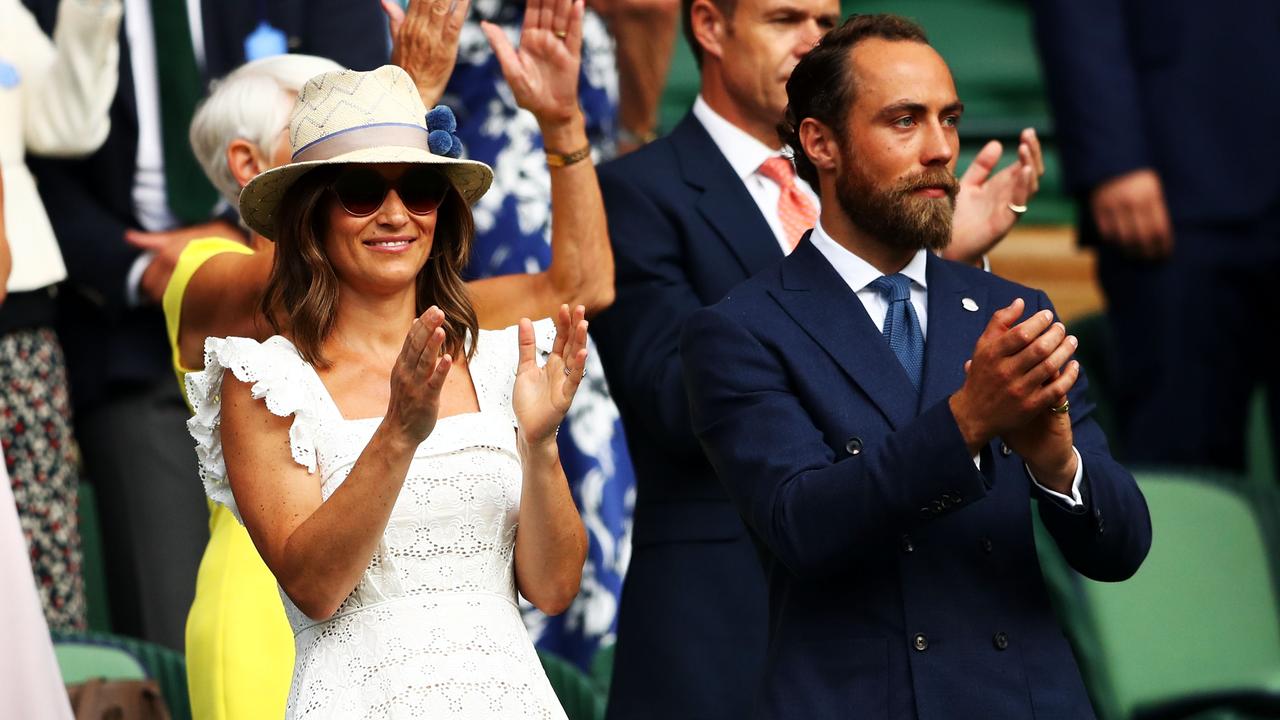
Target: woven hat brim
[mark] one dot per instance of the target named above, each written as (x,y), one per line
(260,199)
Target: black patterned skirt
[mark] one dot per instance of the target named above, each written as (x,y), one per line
(41,456)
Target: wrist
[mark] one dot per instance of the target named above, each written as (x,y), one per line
(972,430)
(1057,473)
(543,451)
(563,135)
(394,437)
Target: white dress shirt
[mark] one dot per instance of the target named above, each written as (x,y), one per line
(859,274)
(746,154)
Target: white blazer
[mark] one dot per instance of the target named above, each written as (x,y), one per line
(54,98)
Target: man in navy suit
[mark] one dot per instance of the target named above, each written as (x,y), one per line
(1165,111)
(690,216)
(883,419)
(130,419)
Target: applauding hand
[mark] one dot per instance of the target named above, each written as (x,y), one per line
(543,73)
(417,379)
(984,214)
(1019,373)
(542,395)
(424,41)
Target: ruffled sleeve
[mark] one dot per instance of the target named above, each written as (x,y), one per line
(278,375)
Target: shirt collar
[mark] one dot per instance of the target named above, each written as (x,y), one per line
(859,273)
(744,153)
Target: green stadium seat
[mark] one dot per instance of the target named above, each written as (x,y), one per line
(83,660)
(166,666)
(1198,627)
(573,689)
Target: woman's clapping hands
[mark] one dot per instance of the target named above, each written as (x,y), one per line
(543,395)
(418,377)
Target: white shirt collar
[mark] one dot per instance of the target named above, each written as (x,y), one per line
(859,273)
(745,153)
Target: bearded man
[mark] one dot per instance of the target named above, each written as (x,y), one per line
(883,418)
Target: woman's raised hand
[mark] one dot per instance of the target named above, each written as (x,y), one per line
(543,73)
(424,41)
(543,394)
(418,377)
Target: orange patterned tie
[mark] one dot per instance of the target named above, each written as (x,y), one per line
(795,209)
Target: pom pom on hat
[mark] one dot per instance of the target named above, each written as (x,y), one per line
(441,117)
(441,124)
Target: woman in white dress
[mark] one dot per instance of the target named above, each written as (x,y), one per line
(395,466)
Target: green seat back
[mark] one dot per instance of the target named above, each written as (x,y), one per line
(81,660)
(166,666)
(573,689)
(1202,613)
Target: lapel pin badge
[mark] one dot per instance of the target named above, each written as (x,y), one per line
(969,304)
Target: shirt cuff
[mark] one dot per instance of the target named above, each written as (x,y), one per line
(1075,500)
(132,294)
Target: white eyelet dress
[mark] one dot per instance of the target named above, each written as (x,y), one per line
(432,629)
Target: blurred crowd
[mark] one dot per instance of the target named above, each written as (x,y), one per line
(129,127)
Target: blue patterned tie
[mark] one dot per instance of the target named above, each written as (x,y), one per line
(901,326)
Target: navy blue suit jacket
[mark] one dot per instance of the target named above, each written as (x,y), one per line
(110,346)
(903,580)
(692,622)
(1182,86)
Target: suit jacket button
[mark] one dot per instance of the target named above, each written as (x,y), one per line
(854,446)
(987,545)
(920,642)
(1004,450)
(1001,641)
(906,544)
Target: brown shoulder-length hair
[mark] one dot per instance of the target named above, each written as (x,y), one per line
(302,294)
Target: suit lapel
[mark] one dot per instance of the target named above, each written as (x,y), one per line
(723,200)
(815,296)
(953,330)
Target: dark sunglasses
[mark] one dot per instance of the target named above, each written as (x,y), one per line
(361,190)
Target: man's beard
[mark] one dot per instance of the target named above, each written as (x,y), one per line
(897,216)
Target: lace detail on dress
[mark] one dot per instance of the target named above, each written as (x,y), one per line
(432,628)
(279,375)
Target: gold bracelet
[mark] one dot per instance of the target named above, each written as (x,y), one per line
(559,160)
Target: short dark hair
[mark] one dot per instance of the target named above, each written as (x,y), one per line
(821,85)
(726,8)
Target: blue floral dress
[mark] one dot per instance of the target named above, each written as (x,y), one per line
(513,234)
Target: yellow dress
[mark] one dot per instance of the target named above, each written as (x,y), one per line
(239,644)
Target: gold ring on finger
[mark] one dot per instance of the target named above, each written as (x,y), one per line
(1065,407)
(562,34)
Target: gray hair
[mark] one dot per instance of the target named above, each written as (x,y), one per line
(252,103)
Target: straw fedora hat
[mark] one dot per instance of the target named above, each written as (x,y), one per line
(355,117)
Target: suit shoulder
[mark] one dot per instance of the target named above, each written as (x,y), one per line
(649,165)
(744,299)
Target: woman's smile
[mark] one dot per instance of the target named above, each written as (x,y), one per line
(390,243)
